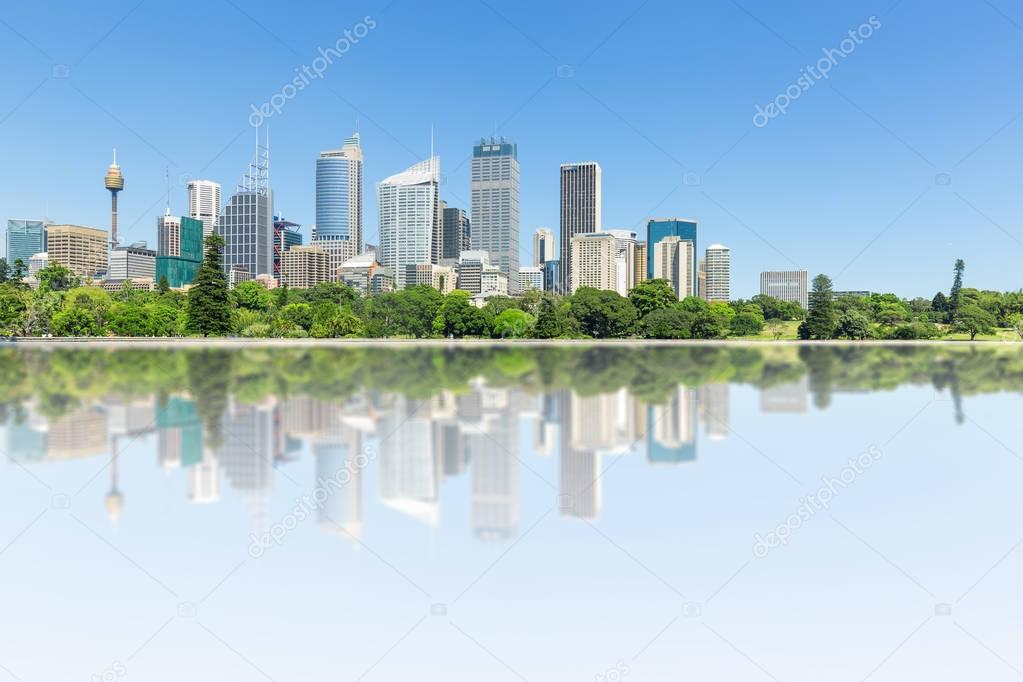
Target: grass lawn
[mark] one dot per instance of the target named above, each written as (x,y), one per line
(789,334)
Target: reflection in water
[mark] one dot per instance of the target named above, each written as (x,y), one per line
(233,417)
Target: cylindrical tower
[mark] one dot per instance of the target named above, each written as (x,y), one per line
(114,182)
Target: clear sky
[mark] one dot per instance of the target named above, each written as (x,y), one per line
(904,158)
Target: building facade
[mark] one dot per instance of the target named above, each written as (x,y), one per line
(788,285)
(339,195)
(674,260)
(363,273)
(552,276)
(470,270)
(204,204)
(457,233)
(530,277)
(25,238)
(132,262)
(543,246)
(717,266)
(83,250)
(625,260)
(594,261)
(409,211)
(286,235)
(247,226)
(660,228)
(640,264)
(580,209)
(303,267)
(495,190)
(179,249)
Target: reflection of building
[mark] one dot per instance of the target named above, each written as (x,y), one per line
(791,397)
(671,434)
(714,408)
(179,433)
(490,426)
(408,471)
(248,446)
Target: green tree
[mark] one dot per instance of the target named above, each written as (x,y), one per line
(251,295)
(19,270)
(297,314)
(128,319)
(651,295)
(55,277)
(1015,322)
(820,318)
(513,323)
(458,317)
(5,271)
(209,306)
(417,308)
(777,309)
(164,285)
(548,320)
(939,303)
(853,325)
(748,320)
(13,307)
(973,320)
(74,322)
(674,322)
(955,295)
(602,314)
(281,295)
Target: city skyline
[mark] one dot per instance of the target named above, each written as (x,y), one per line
(811,211)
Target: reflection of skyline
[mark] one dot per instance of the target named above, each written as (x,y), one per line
(420,443)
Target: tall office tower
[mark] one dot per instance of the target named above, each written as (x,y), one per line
(659,228)
(625,260)
(304,267)
(673,260)
(640,264)
(471,265)
(457,233)
(718,265)
(132,262)
(495,188)
(246,223)
(408,214)
(204,204)
(25,238)
(701,279)
(82,250)
(179,249)
(594,261)
(552,276)
(543,246)
(580,209)
(788,285)
(114,182)
(286,235)
(339,180)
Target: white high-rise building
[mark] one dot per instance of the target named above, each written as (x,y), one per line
(204,204)
(717,265)
(594,261)
(625,260)
(674,261)
(494,211)
(788,285)
(543,246)
(409,209)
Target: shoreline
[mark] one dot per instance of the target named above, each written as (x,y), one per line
(220,342)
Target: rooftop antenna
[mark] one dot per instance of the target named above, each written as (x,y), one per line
(166,172)
(431,142)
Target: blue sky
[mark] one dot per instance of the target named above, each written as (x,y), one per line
(903,159)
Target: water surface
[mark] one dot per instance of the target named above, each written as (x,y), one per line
(552,513)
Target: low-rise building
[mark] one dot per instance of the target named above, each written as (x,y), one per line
(530,277)
(132,262)
(82,250)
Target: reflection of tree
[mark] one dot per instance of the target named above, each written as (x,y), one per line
(209,382)
(59,381)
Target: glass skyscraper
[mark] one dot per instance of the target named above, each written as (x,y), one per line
(25,238)
(494,212)
(247,226)
(409,215)
(339,174)
(659,228)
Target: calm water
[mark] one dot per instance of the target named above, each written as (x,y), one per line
(535,514)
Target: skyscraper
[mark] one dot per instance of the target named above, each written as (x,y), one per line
(594,261)
(625,258)
(543,246)
(339,181)
(408,213)
(580,209)
(179,249)
(658,229)
(204,204)
(788,285)
(495,189)
(457,233)
(25,238)
(673,260)
(246,223)
(718,266)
